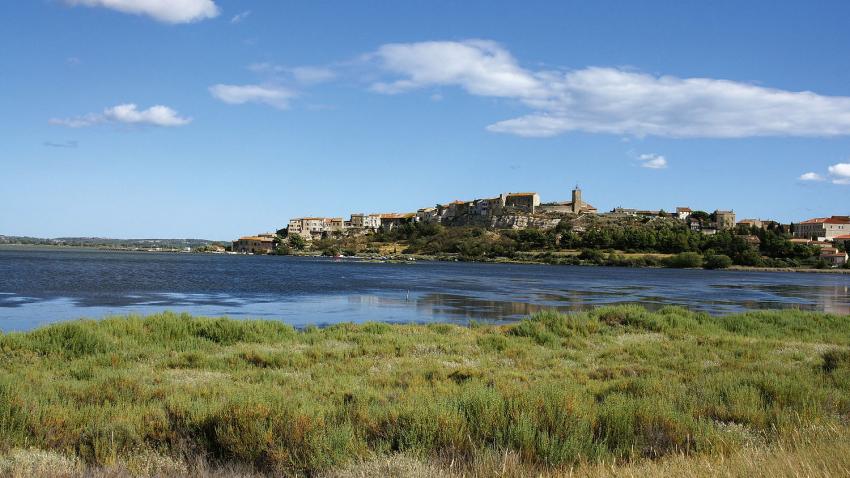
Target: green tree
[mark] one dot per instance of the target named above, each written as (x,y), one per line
(297,242)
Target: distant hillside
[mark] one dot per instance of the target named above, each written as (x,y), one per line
(110,243)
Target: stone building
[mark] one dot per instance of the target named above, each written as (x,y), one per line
(576,206)
(357,220)
(525,202)
(260,244)
(724,219)
(314,227)
(427,215)
(391,220)
(823,228)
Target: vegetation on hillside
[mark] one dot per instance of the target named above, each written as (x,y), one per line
(614,385)
(634,242)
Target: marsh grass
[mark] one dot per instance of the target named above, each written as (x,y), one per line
(620,385)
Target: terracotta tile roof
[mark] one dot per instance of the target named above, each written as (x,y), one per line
(843,236)
(828,220)
(256,238)
(521,194)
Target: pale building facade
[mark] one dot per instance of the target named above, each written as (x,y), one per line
(823,228)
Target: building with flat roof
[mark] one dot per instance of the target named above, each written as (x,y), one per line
(724,219)
(526,202)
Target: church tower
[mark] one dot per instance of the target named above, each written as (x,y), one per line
(577,204)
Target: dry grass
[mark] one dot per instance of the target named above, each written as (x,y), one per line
(812,453)
(666,393)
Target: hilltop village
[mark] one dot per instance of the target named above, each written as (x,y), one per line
(568,223)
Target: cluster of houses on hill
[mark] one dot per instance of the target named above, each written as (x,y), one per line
(824,232)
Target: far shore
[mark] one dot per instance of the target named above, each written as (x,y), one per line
(530,261)
(532,258)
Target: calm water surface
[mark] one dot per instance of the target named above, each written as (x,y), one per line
(43,285)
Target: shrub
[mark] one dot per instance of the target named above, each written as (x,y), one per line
(685,260)
(592,255)
(717,261)
(70,339)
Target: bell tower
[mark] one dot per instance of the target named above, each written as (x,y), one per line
(577,204)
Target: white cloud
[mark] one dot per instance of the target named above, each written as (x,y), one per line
(78,121)
(238,18)
(811,176)
(840,173)
(168,11)
(155,115)
(312,74)
(610,100)
(128,114)
(240,94)
(652,161)
(480,67)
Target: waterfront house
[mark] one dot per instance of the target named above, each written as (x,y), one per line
(260,244)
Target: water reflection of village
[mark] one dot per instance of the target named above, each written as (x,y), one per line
(462,308)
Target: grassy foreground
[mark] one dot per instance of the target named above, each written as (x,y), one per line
(615,391)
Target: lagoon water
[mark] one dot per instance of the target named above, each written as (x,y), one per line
(40,285)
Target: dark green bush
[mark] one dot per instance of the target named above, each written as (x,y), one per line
(684,260)
(717,261)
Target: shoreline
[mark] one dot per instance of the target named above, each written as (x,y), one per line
(410,258)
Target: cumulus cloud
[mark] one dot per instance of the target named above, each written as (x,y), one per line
(128,113)
(155,115)
(168,11)
(840,173)
(276,96)
(480,67)
(811,176)
(238,18)
(652,161)
(610,100)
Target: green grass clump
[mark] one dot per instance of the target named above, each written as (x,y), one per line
(615,384)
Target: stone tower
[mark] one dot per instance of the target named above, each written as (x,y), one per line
(577,204)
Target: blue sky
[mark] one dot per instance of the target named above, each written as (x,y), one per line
(218,118)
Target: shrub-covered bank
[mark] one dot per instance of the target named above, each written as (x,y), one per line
(646,242)
(612,385)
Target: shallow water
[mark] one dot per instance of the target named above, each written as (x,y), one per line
(43,285)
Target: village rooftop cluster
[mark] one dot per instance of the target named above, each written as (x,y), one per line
(825,232)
